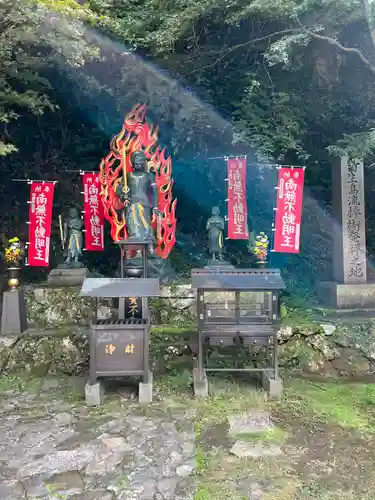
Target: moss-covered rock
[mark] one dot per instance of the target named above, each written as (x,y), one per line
(176,306)
(51,350)
(47,307)
(352,363)
(307,344)
(55,307)
(66,350)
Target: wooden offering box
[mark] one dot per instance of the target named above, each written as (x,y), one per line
(120,347)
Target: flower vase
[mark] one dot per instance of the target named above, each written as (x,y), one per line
(13,277)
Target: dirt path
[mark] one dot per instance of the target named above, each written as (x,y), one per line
(318,443)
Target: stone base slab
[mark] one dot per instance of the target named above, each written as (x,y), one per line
(345,296)
(13,316)
(67,277)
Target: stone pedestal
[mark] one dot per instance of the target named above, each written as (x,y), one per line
(13,317)
(145,390)
(200,385)
(348,296)
(61,277)
(94,393)
(219,265)
(272,385)
(349,287)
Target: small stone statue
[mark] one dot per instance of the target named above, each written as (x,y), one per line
(72,239)
(215,228)
(136,196)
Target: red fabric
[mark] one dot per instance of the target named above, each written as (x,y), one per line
(93,213)
(237,205)
(289,210)
(40,220)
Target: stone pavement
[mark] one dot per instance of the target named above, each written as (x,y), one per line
(53,447)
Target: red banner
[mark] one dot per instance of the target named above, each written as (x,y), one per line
(93,213)
(237,205)
(289,210)
(40,220)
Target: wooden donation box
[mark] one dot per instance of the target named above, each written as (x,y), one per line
(120,346)
(237,307)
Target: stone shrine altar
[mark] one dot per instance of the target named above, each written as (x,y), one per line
(349,288)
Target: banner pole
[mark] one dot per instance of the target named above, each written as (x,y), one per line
(273,226)
(29,181)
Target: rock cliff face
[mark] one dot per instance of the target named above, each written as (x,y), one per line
(57,340)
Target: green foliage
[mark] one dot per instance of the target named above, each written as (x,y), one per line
(293,78)
(32,40)
(268,120)
(269,65)
(360,145)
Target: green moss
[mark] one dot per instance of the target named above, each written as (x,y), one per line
(346,405)
(20,382)
(200,460)
(272,436)
(299,354)
(174,383)
(299,318)
(51,490)
(202,494)
(173,330)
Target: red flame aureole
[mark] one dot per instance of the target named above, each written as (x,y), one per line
(137,134)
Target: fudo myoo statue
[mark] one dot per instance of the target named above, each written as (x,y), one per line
(71,238)
(139,194)
(215,228)
(136,186)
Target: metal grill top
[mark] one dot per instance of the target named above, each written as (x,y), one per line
(130,321)
(237,279)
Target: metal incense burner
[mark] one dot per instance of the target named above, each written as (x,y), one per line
(237,307)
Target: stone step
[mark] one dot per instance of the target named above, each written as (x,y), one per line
(245,449)
(343,315)
(251,422)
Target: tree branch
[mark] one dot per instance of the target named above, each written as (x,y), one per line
(249,42)
(224,53)
(342,48)
(327,39)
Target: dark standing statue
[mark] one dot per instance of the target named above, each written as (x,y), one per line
(72,239)
(138,208)
(215,228)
